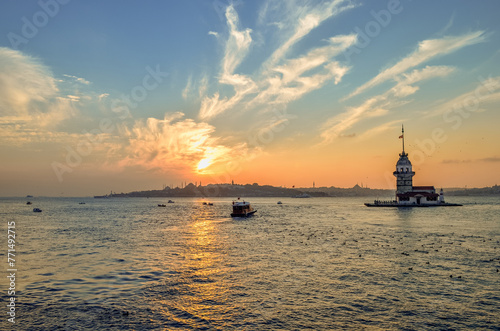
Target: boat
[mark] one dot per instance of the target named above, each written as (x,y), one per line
(37,210)
(210,204)
(162,205)
(280,203)
(170,201)
(204,203)
(81,203)
(29,196)
(302,196)
(28,203)
(242,209)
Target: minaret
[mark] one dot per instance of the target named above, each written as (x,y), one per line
(404,173)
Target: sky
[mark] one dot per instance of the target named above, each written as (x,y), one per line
(100,96)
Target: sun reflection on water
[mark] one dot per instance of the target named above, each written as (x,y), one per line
(202,293)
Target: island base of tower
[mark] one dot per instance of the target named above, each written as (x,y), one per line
(378,203)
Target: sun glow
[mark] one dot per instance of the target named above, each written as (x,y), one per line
(204,163)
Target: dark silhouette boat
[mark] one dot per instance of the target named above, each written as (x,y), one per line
(242,209)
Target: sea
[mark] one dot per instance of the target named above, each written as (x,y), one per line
(305,264)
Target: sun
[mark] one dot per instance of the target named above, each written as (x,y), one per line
(204,163)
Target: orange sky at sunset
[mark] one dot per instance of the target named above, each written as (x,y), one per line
(268,92)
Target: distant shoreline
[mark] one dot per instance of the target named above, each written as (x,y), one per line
(255,190)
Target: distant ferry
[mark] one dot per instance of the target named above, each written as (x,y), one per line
(408,195)
(242,209)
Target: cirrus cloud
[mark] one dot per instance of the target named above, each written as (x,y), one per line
(279,79)
(24,82)
(380,105)
(425,51)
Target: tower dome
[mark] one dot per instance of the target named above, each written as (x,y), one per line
(403,163)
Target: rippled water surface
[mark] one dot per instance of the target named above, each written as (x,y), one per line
(318,263)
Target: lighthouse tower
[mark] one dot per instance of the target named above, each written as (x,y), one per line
(404,173)
(408,195)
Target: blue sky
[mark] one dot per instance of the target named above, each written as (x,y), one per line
(276,92)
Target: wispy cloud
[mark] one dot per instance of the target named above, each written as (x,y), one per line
(237,44)
(426,50)
(24,82)
(305,19)
(35,106)
(278,79)
(78,79)
(188,87)
(236,49)
(405,83)
(492,159)
(380,105)
(202,86)
(486,92)
(32,99)
(102,96)
(448,25)
(289,81)
(388,126)
(335,126)
(195,88)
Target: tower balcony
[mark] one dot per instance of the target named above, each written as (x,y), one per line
(411,173)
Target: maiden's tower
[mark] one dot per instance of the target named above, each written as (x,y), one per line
(408,195)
